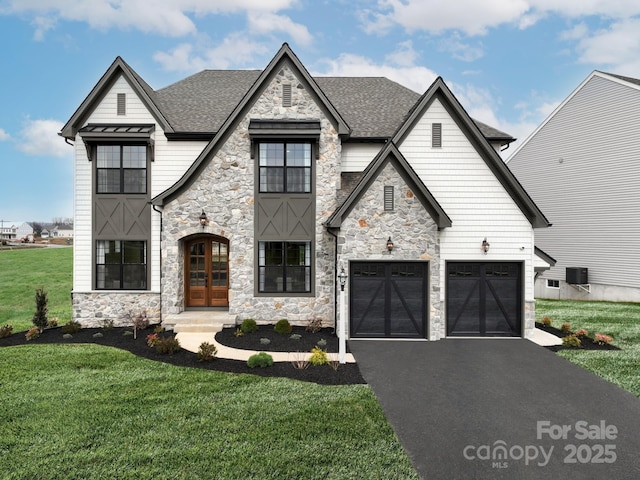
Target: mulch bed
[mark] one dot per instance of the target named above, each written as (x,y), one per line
(346,374)
(279,342)
(587,343)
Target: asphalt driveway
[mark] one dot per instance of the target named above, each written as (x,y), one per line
(501,408)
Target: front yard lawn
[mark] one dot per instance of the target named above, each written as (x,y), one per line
(94,412)
(619,320)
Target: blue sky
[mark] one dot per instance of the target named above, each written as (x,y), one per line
(509,62)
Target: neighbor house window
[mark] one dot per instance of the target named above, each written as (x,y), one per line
(121,265)
(553,283)
(121,168)
(284,267)
(285,167)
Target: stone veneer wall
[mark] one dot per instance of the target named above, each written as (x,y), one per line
(94,309)
(225,190)
(363,236)
(529,318)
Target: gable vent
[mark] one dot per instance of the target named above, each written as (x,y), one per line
(286,95)
(122,104)
(436,135)
(388,198)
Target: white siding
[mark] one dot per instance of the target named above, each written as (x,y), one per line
(356,156)
(582,168)
(171,160)
(471,195)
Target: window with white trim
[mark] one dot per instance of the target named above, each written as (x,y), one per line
(553,283)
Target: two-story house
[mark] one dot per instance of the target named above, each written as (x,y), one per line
(250,192)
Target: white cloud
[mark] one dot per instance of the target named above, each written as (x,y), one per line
(235,51)
(40,137)
(171,18)
(461,50)
(475,18)
(268,22)
(617,47)
(404,55)
(4,136)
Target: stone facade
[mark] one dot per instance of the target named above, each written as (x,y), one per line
(96,309)
(225,190)
(364,233)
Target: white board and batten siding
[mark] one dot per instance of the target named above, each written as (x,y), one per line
(582,168)
(472,196)
(170,163)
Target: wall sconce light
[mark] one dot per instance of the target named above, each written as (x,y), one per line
(389,245)
(485,246)
(342,276)
(203,219)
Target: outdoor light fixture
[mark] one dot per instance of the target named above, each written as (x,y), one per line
(342,276)
(203,219)
(389,245)
(485,246)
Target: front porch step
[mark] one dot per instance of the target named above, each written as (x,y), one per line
(198,321)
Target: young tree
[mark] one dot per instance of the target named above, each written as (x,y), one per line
(40,319)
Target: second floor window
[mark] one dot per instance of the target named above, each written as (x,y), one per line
(121,168)
(285,167)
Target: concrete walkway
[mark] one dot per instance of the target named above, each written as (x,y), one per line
(501,409)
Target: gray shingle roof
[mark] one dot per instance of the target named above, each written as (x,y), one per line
(374,107)
(635,81)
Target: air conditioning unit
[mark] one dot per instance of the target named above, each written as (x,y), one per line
(577,275)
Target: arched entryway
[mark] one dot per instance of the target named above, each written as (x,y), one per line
(206,272)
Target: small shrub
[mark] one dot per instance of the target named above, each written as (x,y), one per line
(571,341)
(107,323)
(158,329)
(32,333)
(52,323)
(239,332)
(97,335)
(260,360)
(318,357)
(248,325)
(300,361)
(140,322)
(283,326)
(206,352)
(546,321)
(67,336)
(152,339)
(295,336)
(167,345)
(565,327)
(265,341)
(314,325)
(5,330)
(581,333)
(335,364)
(40,317)
(71,327)
(602,339)
(322,343)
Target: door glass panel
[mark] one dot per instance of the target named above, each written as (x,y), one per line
(197,275)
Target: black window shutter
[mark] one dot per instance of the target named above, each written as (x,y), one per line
(122,104)
(436,135)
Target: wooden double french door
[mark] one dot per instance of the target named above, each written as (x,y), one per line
(207,272)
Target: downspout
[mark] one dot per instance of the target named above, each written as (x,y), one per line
(335,280)
(160,245)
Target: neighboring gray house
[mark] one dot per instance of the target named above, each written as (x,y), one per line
(582,167)
(248,192)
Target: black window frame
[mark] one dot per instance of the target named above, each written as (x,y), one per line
(121,267)
(286,168)
(285,268)
(122,170)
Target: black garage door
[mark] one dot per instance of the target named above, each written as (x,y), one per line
(388,299)
(484,299)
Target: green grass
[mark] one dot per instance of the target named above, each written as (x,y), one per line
(619,320)
(94,412)
(22,272)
